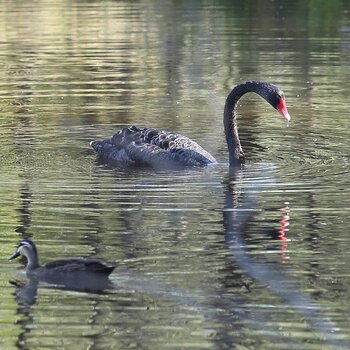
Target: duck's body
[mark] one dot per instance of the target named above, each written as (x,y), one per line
(73,265)
(162,149)
(54,271)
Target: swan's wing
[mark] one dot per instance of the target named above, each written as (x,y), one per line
(157,148)
(153,155)
(172,147)
(172,141)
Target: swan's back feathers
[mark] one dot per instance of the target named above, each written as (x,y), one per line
(156,148)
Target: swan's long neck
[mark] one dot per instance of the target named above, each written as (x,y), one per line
(230,124)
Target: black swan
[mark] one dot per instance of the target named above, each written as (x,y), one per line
(159,148)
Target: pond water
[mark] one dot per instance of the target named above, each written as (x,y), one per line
(206,259)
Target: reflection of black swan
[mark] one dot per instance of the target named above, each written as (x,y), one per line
(158,148)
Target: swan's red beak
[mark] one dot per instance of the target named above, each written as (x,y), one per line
(282,108)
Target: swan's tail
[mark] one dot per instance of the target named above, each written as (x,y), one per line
(109,153)
(97,146)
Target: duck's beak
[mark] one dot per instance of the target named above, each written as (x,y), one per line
(282,108)
(14,256)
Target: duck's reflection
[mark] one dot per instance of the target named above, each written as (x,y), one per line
(26,290)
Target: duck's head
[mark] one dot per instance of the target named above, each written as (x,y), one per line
(26,248)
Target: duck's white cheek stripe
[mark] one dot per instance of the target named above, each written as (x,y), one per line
(25,244)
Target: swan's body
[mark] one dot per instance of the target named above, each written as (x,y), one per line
(159,148)
(59,270)
(151,147)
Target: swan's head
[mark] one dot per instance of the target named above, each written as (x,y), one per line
(272,94)
(278,101)
(281,106)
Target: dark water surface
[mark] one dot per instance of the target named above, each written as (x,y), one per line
(255,259)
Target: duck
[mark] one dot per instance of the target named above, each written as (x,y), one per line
(61,270)
(161,149)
